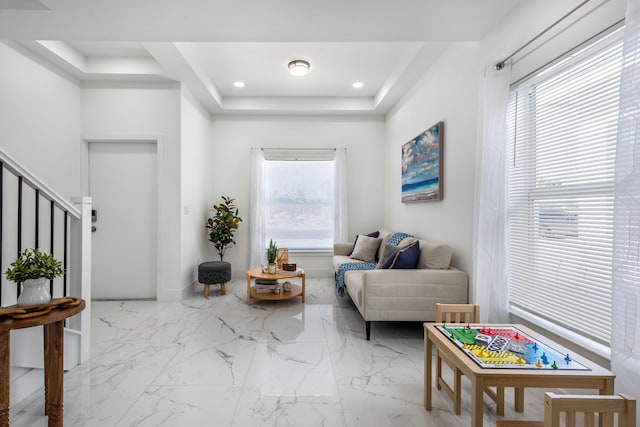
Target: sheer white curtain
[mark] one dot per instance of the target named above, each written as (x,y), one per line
(257,222)
(625,334)
(490,228)
(341,226)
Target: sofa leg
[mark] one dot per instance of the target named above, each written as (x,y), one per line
(367,326)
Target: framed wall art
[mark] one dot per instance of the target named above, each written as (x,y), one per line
(422,166)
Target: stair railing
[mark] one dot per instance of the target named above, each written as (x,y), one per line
(32,215)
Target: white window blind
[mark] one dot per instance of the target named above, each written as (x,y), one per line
(562,129)
(299,198)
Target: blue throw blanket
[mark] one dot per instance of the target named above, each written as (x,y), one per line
(394,240)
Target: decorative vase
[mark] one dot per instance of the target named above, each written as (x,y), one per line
(34,291)
(271,268)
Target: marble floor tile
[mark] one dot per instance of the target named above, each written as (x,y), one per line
(222,362)
(191,405)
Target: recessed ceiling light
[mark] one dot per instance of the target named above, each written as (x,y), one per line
(238,84)
(299,67)
(357,85)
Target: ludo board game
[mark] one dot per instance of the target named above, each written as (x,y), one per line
(507,348)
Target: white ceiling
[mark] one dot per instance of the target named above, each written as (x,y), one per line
(209,44)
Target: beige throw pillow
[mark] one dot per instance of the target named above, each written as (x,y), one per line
(366,248)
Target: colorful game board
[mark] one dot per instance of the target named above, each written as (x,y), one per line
(507,348)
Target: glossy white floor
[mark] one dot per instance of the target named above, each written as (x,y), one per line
(220,362)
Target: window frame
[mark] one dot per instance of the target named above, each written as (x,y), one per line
(299,155)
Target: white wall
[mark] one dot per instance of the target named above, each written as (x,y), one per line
(40,114)
(196,186)
(146,111)
(233,138)
(448,92)
(40,129)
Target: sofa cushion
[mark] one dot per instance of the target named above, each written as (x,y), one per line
(434,255)
(407,241)
(347,267)
(366,248)
(407,257)
(387,255)
(372,234)
(390,240)
(384,235)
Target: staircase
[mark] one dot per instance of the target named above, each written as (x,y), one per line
(34,216)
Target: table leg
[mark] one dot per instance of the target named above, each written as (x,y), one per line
(427,371)
(46,334)
(248,289)
(477,394)
(53,368)
(518,399)
(303,288)
(606,419)
(500,401)
(4,378)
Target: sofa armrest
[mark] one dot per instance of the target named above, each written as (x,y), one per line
(342,248)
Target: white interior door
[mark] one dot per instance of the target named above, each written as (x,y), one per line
(123,188)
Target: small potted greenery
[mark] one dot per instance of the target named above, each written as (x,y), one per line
(272,252)
(223,225)
(33,268)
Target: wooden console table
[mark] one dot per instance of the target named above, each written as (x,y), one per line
(53,323)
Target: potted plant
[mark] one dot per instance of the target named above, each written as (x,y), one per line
(272,252)
(223,225)
(33,268)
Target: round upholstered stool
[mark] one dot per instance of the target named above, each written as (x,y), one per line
(213,272)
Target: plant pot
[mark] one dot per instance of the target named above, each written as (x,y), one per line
(271,268)
(34,291)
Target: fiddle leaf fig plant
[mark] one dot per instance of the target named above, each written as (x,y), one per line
(223,225)
(34,264)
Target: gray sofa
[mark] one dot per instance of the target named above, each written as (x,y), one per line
(404,294)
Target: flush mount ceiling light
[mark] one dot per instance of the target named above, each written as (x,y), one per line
(298,67)
(238,84)
(357,85)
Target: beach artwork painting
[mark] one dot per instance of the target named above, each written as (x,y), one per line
(422,166)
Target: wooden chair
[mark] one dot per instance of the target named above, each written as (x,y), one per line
(570,404)
(606,406)
(461,313)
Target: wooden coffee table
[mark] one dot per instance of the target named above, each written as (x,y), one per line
(256,273)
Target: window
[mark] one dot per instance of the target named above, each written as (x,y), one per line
(299,198)
(562,129)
